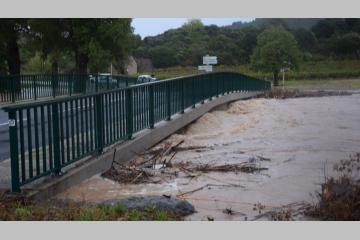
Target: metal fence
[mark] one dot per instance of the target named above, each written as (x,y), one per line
(27,87)
(47,136)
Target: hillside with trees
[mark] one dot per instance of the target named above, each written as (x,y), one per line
(318,39)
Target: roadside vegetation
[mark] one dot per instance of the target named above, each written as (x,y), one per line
(280,93)
(314,70)
(339,198)
(20,209)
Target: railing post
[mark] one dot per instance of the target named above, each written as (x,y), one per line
(34,87)
(129,112)
(168,101)
(84,80)
(107,82)
(53,85)
(218,76)
(203,89)
(56,130)
(223,84)
(182,96)
(99,131)
(210,85)
(12,87)
(70,77)
(151,106)
(15,180)
(96,82)
(193,79)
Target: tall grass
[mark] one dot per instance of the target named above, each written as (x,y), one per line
(329,69)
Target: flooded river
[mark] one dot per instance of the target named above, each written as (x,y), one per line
(297,140)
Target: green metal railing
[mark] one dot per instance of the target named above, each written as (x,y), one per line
(47,136)
(32,87)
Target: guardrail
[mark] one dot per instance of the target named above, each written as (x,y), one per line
(47,136)
(15,88)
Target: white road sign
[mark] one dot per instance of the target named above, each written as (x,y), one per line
(209,60)
(206,68)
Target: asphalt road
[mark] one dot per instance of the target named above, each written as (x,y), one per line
(138,111)
(4,136)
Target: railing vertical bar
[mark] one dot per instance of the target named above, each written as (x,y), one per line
(87,109)
(22,147)
(111,117)
(72,129)
(99,114)
(61,122)
(36,132)
(168,102)
(82,126)
(117,106)
(78,145)
(67,136)
(56,128)
(28,116)
(14,152)
(50,136)
(129,113)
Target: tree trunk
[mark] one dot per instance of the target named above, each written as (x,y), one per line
(357,54)
(276,78)
(13,62)
(54,67)
(82,61)
(13,56)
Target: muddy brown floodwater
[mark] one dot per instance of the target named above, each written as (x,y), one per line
(302,139)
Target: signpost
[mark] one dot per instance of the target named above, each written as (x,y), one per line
(208,61)
(206,68)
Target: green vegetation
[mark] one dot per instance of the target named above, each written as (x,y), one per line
(321,41)
(329,48)
(21,210)
(276,49)
(309,71)
(339,197)
(331,84)
(89,45)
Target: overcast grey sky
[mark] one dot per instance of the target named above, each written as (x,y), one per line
(154,26)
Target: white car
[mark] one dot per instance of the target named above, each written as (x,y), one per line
(146,78)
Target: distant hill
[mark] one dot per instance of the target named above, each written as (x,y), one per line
(291,23)
(234,44)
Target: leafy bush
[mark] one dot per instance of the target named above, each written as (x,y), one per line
(339,198)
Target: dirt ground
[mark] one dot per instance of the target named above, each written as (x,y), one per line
(242,161)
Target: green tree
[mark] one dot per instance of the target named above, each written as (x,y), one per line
(3,67)
(51,38)
(348,44)
(305,38)
(276,48)
(327,27)
(98,42)
(193,24)
(10,30)
(163,56)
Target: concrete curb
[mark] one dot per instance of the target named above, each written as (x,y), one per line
(125,151)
